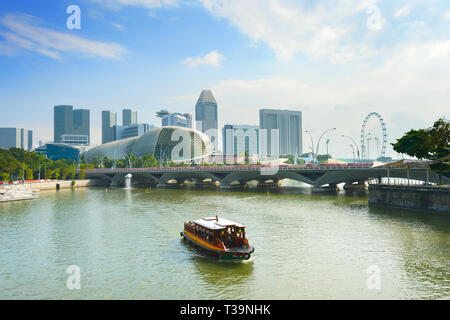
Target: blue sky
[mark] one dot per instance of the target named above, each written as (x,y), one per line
(334,60)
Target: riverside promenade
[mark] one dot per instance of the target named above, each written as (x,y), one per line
(16,193)
(28,189)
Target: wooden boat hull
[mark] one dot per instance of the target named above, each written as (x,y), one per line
(231,255)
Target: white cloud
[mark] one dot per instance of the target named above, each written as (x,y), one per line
(118,26)
(117,4)
(210,59)
(447,15)
(417,23)
(24,33)
(289,26)
(403,11)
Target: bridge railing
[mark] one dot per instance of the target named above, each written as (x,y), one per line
(235,168)
(407,183)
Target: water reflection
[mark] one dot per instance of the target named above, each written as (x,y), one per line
(421,234)
(223,279)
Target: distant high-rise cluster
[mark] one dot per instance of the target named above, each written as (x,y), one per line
(129,128)
(279,131)
(71,126)
(16,138)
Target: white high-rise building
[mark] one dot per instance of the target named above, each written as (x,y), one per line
(288,125)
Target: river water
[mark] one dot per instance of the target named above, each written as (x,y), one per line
(308,246)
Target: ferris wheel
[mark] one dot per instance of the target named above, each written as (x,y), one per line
(363,134)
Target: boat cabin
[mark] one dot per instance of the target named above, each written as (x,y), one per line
(218,231)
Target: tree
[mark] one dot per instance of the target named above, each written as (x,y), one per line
(49,174)
(107,163)
(82,174)
(72,171)
(431,144)
(323,158)
(57,173)
(29,174)
(4,176)
(14,160)
(65,172)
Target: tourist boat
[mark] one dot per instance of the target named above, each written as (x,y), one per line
(219,237)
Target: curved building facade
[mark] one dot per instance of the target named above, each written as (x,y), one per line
(165,143)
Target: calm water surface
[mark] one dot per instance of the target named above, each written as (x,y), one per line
(128,246)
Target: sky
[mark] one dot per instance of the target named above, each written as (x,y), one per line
(334,60)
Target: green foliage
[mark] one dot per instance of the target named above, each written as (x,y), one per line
(57,173)
(28,174)
(107,163)
(323,158)
(82,174)
(431,144)
(290,158)
(415,143)
(14,160)
(49,174)
(149,161)
(4,177)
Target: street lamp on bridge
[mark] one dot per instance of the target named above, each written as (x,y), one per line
(354,142)
(353,151)
(320,138)
(312,143)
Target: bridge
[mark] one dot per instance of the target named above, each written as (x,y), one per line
(231,175)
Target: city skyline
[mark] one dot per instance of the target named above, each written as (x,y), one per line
(343,66)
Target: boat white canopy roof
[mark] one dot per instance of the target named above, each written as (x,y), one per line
(217,224)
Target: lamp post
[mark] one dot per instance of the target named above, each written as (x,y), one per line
(354,142)
(368,140)
(312,142)
(320,138)
(353,151)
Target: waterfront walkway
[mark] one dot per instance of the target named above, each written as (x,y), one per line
(16,193)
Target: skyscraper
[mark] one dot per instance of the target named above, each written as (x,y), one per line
(63,122)
(71,125)
(289,125)
(239,139)
(177,120)
(81,123)
(206,112)
(129,117)
(16,138)
(109,120)
(30,139)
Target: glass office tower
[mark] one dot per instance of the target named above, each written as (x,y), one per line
(63,121)
(206,112)
(81,123)
(289,125)
(129,117)
(109,121)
